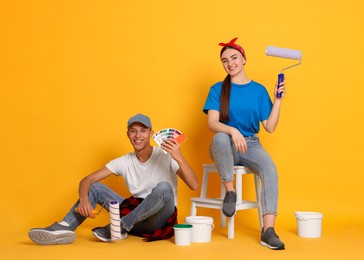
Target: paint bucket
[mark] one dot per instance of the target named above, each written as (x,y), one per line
(202,228)
(309,224)
(182,234)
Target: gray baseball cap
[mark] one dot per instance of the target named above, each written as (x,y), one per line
(145,120)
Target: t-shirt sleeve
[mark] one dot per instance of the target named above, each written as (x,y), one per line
(213,99)
(266,106)
(117,165)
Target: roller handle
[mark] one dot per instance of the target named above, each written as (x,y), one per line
(280,80)
(93,212)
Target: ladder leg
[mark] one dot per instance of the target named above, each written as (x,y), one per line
(231,227)
(193,209)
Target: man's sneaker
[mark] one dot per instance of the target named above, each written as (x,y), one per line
(104,234)
(229,204)
(270,239)
(55,234)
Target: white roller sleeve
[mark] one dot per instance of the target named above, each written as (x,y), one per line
(115,228)
(283,53)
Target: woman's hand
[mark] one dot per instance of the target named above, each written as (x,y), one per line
(238,140)
(279,89)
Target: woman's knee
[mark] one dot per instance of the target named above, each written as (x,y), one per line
(269,172)
(220,146)
(221,138)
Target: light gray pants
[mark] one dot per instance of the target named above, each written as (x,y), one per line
(150,215)
(225,155)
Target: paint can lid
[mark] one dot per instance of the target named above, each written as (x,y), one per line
(183,226)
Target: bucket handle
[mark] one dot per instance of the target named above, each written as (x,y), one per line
(212,225)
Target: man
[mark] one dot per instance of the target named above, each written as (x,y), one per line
(151,177)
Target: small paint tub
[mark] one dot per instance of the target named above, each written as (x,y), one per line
(309,224)
(182,234)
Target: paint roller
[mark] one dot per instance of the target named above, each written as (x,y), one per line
(284,53)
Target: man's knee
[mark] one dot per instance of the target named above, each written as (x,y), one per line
(96,186)
(163,190)
(163,187)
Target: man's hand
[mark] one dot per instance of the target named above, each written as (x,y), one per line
(86,210)
(173,147)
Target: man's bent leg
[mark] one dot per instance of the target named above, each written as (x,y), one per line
(99,194)
(153,212)
(56,233)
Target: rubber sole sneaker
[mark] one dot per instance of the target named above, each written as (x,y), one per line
(55,234)
(104,234)
(270,239)
(229,204)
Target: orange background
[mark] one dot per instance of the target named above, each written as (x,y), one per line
(73,72)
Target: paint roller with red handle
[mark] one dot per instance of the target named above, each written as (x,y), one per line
(284,53)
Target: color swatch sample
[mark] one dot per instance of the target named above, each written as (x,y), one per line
(169,133)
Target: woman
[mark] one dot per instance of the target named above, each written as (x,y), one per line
(235,108)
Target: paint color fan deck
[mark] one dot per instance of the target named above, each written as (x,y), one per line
(168,133)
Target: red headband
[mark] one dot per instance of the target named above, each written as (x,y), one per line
(234,45)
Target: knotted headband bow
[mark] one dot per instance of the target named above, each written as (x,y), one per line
(234,45)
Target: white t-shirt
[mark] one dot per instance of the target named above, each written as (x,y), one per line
(141,178)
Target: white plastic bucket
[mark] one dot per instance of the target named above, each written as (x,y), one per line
(202,228)
(182,234)
(309,224)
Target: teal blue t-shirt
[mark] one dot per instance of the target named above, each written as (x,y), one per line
(249,105)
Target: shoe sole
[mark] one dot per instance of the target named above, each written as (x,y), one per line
(123,236)
(271,247)
(44,237)
(229,215)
